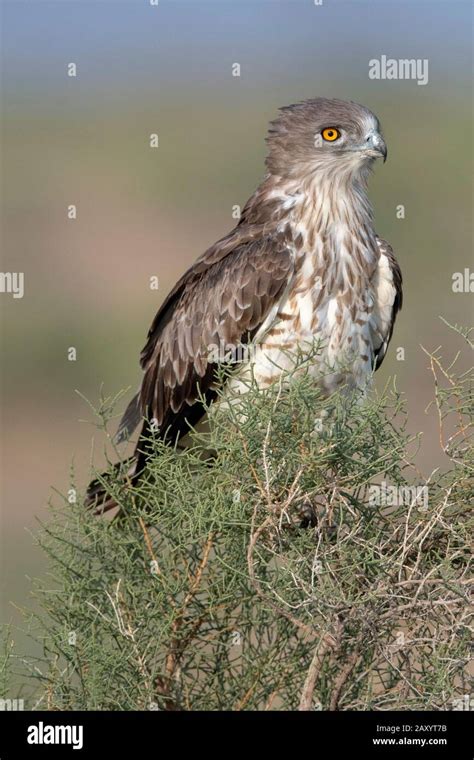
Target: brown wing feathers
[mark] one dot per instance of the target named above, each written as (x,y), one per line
(397,282)
(222,300)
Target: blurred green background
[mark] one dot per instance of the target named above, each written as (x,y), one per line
(143,69)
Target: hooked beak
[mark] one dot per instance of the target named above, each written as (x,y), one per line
(375,145)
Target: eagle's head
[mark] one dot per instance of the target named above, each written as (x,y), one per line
(324,135)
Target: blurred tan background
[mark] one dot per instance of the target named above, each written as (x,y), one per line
(141,212)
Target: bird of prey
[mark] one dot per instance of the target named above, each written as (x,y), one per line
(303,263)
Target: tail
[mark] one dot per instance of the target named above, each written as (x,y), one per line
(98,499)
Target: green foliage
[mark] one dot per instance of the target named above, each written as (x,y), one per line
(265,575)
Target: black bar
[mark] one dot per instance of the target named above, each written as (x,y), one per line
(373,734)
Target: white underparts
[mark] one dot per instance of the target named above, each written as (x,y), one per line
(341,294)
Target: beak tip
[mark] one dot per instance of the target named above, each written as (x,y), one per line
(376,143)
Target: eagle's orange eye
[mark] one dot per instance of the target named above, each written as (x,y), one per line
(330,134)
